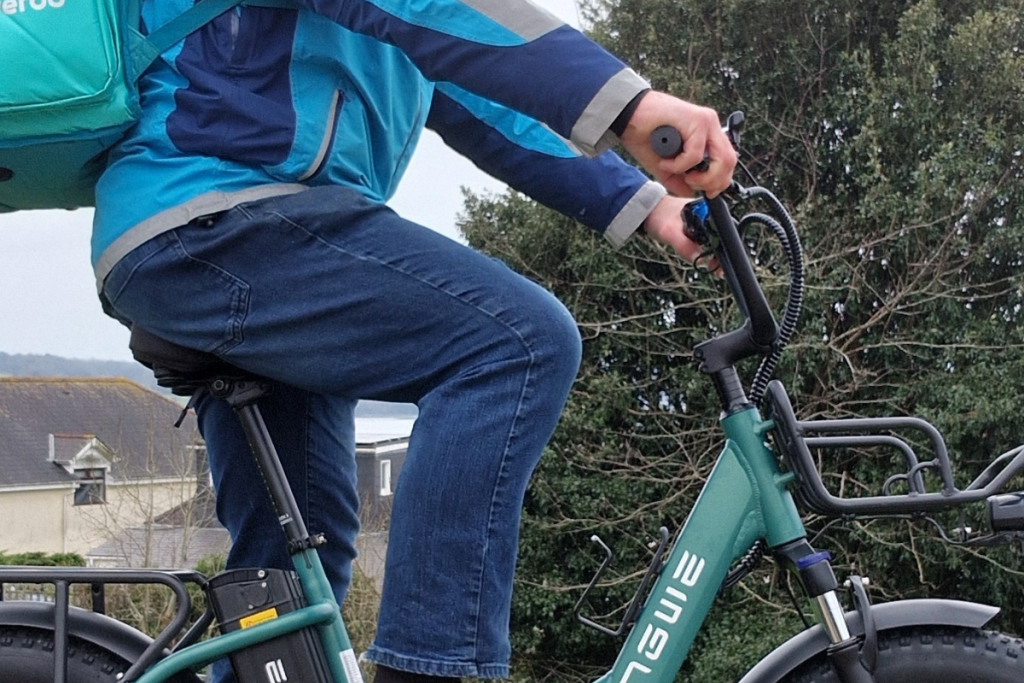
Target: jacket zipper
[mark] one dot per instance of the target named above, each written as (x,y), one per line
(327,141)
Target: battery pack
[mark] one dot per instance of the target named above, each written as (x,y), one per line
(243,598)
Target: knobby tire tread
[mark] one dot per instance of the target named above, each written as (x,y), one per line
(933,654)
(26,656)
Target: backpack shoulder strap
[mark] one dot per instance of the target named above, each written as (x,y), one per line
(146,49)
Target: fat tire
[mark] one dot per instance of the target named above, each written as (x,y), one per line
(932,654)
(26,656)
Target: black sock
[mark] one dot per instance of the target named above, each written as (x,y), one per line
(388,675)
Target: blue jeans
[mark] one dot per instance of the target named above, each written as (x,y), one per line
(336,298)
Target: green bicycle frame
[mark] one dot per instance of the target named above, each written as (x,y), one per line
(744,499)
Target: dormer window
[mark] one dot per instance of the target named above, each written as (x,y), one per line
(88,460)
(91,488)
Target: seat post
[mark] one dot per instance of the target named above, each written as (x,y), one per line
(186,372)
(242,395)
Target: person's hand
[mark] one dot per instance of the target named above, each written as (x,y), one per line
(665,224)
(702,135)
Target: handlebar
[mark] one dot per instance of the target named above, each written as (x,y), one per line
(759,332)
(668,143)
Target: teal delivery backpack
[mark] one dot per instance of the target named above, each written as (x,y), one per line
(68,91)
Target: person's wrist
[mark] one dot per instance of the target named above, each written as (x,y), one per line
(622,120)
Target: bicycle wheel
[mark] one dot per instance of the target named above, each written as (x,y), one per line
(26,656)
(933,654)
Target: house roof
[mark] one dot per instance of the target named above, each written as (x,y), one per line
(163,546)
(199,511)
(372,430)
(43,420)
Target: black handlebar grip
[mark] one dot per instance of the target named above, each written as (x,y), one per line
(668,144)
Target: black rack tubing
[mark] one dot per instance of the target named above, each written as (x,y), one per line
(889,423)
(74,575)
(913,463)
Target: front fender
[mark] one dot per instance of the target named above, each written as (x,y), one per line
(889,615)
(98,629)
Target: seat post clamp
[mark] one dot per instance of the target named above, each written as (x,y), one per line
(238,393)
(307,543)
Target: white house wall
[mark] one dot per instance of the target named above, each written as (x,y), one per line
(45,519)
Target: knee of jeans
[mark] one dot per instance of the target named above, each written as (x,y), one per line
(556,345)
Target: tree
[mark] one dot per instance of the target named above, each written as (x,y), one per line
(894,133)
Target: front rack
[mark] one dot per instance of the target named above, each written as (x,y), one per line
(795,438)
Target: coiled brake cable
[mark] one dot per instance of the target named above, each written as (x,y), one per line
(782,225)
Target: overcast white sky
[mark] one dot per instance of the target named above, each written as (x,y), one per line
(48,298)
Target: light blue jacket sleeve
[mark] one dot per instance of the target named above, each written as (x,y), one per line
(604,193)
(506,51)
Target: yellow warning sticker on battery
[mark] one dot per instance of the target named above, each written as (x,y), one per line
(258,618)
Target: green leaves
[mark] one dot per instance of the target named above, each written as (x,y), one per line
(40,559)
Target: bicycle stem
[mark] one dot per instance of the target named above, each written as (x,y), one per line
(758,334)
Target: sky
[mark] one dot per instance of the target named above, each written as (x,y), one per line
(48,302)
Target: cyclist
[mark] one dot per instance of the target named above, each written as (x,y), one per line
(244,215)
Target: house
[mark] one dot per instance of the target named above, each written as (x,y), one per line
(189,532)
(176,539)
(95,466)
(81,460)
(381,444)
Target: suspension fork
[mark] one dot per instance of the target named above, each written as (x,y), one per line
(852,657)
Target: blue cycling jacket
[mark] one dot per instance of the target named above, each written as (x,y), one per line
(266,101)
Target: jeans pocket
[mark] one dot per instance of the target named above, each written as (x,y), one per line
(176,293)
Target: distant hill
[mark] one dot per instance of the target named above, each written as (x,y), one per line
(37,365)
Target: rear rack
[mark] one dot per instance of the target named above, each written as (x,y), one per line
(62,578)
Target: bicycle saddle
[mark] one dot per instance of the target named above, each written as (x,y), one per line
(179,368)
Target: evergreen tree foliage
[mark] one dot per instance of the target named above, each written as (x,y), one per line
(895,134)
